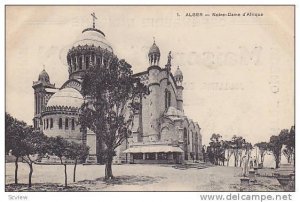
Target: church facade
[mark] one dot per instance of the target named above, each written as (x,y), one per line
(161,131)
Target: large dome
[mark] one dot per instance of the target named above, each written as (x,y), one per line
(67,97)
(92,36)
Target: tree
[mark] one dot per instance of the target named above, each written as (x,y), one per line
(263,149)
(237,146)
(77,152)
(34,147)
(14,134)
(275,145)
(248,148)
(111,92)
(288,153)
(289,142)
(216,149)
(60,147)
(227,145)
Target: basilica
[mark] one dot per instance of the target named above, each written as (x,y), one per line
(161,133)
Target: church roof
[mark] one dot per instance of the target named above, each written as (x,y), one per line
(44,76)
(67,97)
(178,73)
(93,37)
(154,49)
(172,111)
(51,90)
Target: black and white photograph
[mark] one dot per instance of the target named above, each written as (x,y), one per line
(149,98)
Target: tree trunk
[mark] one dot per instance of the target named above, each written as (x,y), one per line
(108,168)
(16,170)
(74,173)
(227,159)
(262,160)
(277,159)
(30,174)
(66,177)
(277,164)
(235,160)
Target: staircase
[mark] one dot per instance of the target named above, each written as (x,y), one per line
(91,159)
(189,164)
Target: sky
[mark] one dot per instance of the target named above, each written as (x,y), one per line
(238,71)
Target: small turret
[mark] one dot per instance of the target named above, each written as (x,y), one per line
(44,77)
(154,55)
(178,76)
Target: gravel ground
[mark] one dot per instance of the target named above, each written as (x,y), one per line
(134,177)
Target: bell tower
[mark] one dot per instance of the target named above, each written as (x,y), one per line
(178,76)
(41,97)
(154,88)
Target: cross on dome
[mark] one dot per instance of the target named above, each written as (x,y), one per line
(94,18)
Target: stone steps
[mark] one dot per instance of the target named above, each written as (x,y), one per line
(187,165)
(285,170)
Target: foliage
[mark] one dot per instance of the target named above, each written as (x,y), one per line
(237,143)
(14,134)
(60,147)
(227,145)
(263,149)
(216,149)
(275,145)
(77,152)
(23,142)
(34,147)
(289,142)
(67,150)
(112,94)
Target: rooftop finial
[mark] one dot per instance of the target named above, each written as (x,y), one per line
(94,18)
(43,67)
(153,40)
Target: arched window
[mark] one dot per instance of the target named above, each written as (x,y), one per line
(196,146)
(47,123)
(67,124)
(73,124)
(60,123)
(74,64)
(185,143)
(51,123)
(87,62)
(80,63)
(98,61)
(44,124)
(167,99)
(93,59)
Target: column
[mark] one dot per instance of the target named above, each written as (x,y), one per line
(82,62)
(38,104)
(76,62)
(90,62)
(71,64)
(35,104)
